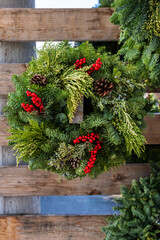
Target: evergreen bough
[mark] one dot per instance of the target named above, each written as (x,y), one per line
(45,140)
(140,36)
(139,209)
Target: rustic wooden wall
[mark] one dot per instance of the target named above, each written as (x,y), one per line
(19,185)
(14,52)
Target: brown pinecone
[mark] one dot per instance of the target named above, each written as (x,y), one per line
(74,163)
(39,80)
(103,87)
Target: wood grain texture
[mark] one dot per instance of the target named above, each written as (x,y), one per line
(52,227)
(3,133)
(19,181)
(8,69)
(78,117)
(57,24)
(152,132)
(6,72)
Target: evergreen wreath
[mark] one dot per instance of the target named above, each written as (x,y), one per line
(139,208)
(140,36)
(41,110)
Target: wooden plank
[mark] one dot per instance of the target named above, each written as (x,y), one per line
(52,227)
(8,69)
(3,133)
(57,24)
(19,181)
(78,117)
(6,72)
(152,132)
(152,90)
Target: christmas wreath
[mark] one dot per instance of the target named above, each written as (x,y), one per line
(41,110)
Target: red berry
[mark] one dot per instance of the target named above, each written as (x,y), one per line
(74,141)
(90,140)
(84,140)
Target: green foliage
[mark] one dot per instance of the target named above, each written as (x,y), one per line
(140,36)
(45,140)
(139,212)
(153,24)
(78,84)
(105,3)
(28,141)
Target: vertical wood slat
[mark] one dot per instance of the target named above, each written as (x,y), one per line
(14,52)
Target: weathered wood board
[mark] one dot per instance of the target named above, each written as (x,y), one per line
(19,181)
(152,132)
(52,227)
(57,24)
(3,133)
(6,72)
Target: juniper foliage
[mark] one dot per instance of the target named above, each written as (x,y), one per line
(45,140)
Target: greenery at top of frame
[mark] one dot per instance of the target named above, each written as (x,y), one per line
(140,36)
(41,110)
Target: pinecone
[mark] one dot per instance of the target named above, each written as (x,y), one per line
(74,162)
(39,80)
(103,87)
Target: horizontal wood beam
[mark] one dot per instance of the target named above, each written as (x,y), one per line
(19,181)
(152,90)
(57,24)
(152,132)
(52,227)
(8,69)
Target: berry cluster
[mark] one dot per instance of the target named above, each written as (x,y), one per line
(37,102)
(95,66)
(80,62)
(91,138)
